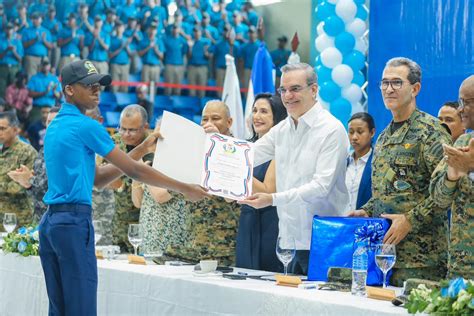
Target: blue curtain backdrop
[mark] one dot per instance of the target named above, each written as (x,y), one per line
(437,34)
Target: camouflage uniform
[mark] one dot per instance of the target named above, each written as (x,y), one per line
(402,166)
(39,186)
(103,205)
(13,197)
(460,196)
(212,230)
(125,212)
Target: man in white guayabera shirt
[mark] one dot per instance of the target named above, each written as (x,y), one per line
(309,148)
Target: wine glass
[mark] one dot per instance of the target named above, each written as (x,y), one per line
(9,222)
(285,250)
(134,236)
(98,230)
(385,257)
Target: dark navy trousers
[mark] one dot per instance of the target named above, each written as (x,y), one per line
(68,258)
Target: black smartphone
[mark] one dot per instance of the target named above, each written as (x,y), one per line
(234,276)
(225,269)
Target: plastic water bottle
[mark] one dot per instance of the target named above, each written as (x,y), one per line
(359,270)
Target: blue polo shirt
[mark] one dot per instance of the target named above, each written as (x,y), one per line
(71,142)
(98,53)
(39,83)
(51,26)
(213,31)
(122,58)
(38,49)
(280,58)
(126,11)
(247,52)
(176,48)
(150,58)
(73,46)
(9,58)
(221,49)
(197,52)
(135,43)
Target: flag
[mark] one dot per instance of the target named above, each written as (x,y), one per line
(261,80)
(232,98)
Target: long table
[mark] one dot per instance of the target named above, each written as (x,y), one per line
(126,289)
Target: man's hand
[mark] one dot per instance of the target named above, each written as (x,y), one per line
(459,160)
(149,144)
(357,213)
(195,192)
(210,128)
(258,200)
(399,229)
(22,176)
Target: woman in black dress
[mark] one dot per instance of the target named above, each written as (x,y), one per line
(258,229)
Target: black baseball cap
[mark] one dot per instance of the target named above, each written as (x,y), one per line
(83,71)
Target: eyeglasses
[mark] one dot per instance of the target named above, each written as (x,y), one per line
(3,128)
(91,86)
(292,89)
(395,84)
(131,131)
(465,103)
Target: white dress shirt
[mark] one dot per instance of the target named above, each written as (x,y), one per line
(355,169)
(310,162)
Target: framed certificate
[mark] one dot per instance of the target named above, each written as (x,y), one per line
(220,163)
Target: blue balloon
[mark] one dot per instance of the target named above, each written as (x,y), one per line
(325,10)
(355,60)
(341,109)
(345,42)
(324,73)
(361,2)
(333,25)
(361,13)
(318,61)
(329,91)
(359,78)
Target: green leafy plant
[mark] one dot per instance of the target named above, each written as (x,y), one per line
(455,297)
(24,241)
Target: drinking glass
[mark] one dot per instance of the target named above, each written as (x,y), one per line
(134,236)
(9,222)
(98,230)
(385,257)
(285,250)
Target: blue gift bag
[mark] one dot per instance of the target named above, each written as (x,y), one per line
(333,243)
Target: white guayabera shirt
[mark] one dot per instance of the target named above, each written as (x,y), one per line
(310,163)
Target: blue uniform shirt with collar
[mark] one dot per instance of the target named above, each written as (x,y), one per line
(39,83)
(198,57)
(98,53)
(9,58)
(247,53)
(176,48)
(71,142)
(50,25)
(73,47)
(122,58)
(38,49)
(151,58)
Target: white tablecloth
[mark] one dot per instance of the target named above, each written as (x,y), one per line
(126,289)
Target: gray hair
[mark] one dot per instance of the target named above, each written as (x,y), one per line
(133,109)
(11,117)
(311,76)
(220,103)
(414,70)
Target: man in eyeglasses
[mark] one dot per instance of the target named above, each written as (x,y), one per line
(310,148)
(452,185)
(406,154)
(132,131)
(72,140)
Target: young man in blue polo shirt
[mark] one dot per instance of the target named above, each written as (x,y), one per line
(98,42)
(120,53)
(72,140)
(198,55)
(71,42)
(176,48)
(11,53)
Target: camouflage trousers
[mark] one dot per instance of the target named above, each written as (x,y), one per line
(427,273)
(103,205)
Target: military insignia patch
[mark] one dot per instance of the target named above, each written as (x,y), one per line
(90,68)
(401,185)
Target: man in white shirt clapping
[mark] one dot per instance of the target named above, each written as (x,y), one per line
(310,148)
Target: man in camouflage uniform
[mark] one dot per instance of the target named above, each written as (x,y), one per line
(406,154)
(212,222)
(36,182)
(13,154)
(452,185)
(103,200)
(132,131)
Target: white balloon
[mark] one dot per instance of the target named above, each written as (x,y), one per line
(357,107)
(324,41)
(353,93)
(342,75)
(356,27)
(331,57)
(320,28)
(361,45)
(346,10)
(332,1)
